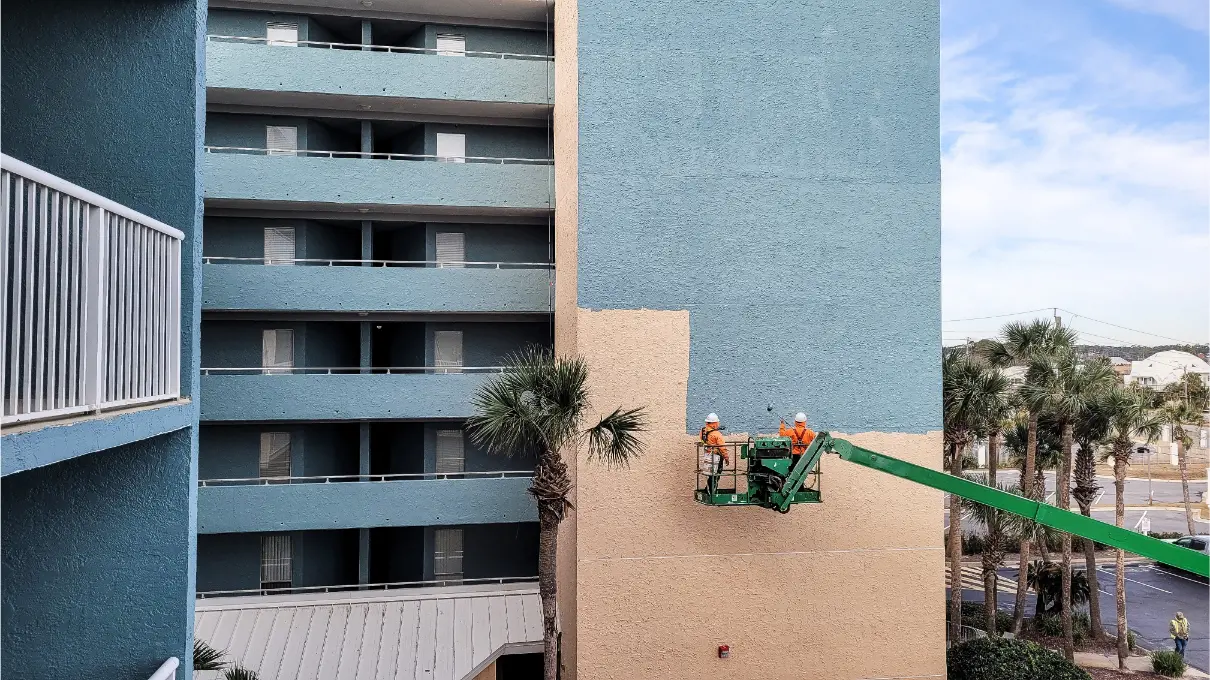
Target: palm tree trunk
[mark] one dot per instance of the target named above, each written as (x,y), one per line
(955,535)
(989,589)
(1121,452)
(1063,487)
(1182,462)
(548,534)
(994,545)
(1085,493)
(1027,484)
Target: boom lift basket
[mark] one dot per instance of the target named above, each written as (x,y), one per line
(761,471)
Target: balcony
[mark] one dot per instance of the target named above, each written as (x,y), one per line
(392,182)
(408,393)
(92,307)
(256,284)
(351,502)
(250,70)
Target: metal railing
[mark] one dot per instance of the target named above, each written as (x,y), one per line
(360,47)
(328,479)
(313,153)
(368,586)
(167,670)
(91,301)
(319,262)
(349,370)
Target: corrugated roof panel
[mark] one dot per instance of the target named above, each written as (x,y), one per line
(436,634)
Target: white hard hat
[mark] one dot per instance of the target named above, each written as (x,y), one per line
(712,418)
(800,417)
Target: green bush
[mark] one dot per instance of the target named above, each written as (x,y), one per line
(1050,625)
(1008,659)
(1130,641)
(972,543)
(1165,534)
(1168,664)
(974,615)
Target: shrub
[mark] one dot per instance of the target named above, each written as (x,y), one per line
(974,615)
(972,543)
(1165,534)
(1008,659)
(1050,625)
(1130,639)
(1168,664)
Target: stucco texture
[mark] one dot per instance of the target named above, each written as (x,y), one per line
(786,192)
(669,580)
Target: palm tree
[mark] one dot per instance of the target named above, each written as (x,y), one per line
(970,391)
(539,404)
(999,529)
(1127,414)
(1047,455)
(207,658)
(1176,415)
(1090,432)
(1064,388)
(1020,343)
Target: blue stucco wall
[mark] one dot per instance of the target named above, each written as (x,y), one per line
(248,131)
(351,505)
(787,194)
(493,141)
(383,75)
(339,397)
(400,289)
(253,24)
(238,344)
(97,568)
(245,237)
(495,242)
(291,179)
(316,449)
(477,459)
(490,39)
(320,558)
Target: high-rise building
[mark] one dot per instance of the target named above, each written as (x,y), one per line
(721,206)
(101,210)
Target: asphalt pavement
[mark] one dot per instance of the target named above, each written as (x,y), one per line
(1153,596)
(1161,519)
(1162,490)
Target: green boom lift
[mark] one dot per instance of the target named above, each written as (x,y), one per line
(774,478)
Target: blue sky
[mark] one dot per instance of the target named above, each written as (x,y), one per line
(1075,165)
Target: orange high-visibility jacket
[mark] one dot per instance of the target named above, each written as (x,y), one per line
(800,436)
(713,439)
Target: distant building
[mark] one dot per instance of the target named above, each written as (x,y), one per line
(1120,366)
(1164,368)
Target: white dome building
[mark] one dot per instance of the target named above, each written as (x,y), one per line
(1164,368)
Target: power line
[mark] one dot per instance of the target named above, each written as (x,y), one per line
(996,316)
(1126,328)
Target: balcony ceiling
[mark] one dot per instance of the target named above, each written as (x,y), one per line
(352,106)
(519,13)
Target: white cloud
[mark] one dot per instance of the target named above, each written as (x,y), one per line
(1050,202)
(1194,14)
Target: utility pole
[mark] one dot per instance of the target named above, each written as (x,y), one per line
(1058,319)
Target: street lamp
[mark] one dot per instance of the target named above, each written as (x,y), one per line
(1150,495)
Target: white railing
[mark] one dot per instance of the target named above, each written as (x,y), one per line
(349,370)
(317,262)
(276,42)
(328,479)
(167,670)
(313,153)
(91,300)
(369,586)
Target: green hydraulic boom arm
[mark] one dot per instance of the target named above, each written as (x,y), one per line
(1049,515)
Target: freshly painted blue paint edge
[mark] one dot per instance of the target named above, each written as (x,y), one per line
(54,443)
(404,289)
(339,397)
(355,505)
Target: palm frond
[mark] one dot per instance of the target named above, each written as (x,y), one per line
(239,673)
(614,441)
(207,658)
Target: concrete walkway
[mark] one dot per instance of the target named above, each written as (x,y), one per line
(1134,663)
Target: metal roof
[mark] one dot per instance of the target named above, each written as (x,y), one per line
(429,634)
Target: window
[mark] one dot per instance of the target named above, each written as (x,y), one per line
(450,455)
(281,140)
(447,351)
(282,34)
(274,454)
(277,350)
(1184,542)
(451,147)
(276,558)
(451,44)
(279,245)
(451,249)
(1197,544)
(447,554)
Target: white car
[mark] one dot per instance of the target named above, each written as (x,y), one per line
(1198,543)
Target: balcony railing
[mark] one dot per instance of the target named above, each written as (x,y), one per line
(350,370)
(91,302)
(368,586)
(328,479)
(167,670)
(313,153)
(434,264)
(377,48)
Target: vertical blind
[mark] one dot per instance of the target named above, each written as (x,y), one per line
(447,351)
(277,350)
(451,248)
(276,557)
(450,455)
(279,245)
(447,554)
(274,454)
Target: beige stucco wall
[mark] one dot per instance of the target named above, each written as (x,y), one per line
(661,581)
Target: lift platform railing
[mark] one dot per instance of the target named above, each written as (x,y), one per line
(747,474)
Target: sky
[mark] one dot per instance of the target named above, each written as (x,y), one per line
(1075,162)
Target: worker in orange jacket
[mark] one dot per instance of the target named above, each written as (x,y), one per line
(714,452)
(800,435)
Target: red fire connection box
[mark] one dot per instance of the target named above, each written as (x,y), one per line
(724,651)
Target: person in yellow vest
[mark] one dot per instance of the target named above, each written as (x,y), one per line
(1178,630)
(714,452)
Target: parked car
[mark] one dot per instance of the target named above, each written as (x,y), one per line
(1199,542)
